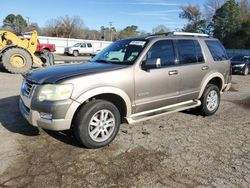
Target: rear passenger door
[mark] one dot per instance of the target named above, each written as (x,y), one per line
(89,48)
(82,48)
(192,68)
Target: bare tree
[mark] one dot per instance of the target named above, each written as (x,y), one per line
(68,27)
(193,15)
(160,29)
(210,8)
(245,10)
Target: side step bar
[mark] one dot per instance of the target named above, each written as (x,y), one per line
(142,116)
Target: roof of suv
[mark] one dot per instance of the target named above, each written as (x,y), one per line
(173,35)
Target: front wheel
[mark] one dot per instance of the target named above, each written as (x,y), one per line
(210,100)
(96,124)
(17,60)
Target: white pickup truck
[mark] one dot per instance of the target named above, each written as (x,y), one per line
(81,48)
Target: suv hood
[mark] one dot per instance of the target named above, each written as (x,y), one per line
(57,73)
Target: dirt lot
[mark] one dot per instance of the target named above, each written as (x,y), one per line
(177,150)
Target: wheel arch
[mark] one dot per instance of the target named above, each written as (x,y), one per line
(114,95)
(216,79)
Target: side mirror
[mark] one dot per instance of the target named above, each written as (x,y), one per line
(151,64)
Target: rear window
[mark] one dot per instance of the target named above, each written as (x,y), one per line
(217,50)
(89,45)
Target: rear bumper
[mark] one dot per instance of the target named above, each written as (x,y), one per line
(227,87)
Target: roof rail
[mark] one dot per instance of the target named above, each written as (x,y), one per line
(190,34)
(179,34)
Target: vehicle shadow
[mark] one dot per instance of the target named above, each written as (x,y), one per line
(12,120)
(2,69)
(192,111)
(66,137)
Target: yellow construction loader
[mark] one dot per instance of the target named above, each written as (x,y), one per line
(18,53)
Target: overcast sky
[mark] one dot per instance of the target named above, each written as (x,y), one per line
(146,14)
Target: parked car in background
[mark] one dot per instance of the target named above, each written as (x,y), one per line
(45,48)
(84,48)
(241,64)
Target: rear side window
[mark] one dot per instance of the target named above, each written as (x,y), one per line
(89,45)
(217,50)
(187,51)
(164,50)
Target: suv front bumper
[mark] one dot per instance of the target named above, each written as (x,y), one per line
(35,119)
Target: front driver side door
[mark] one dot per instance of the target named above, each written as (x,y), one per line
(157,87)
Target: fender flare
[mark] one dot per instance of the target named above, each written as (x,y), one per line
(107,90)
(208,79)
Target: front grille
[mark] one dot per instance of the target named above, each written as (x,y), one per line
(28,88)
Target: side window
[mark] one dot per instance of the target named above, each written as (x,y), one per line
(83,45)
(89,45)
(164,50)
(199,55)
(187,51)
(217,50)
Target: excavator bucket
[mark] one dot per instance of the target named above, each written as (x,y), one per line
(18,53)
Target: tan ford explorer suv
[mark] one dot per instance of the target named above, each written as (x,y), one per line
(131,80)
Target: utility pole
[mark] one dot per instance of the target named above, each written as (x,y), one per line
(28,20)
(110,28)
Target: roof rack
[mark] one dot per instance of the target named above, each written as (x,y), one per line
(179,34)
(190,34)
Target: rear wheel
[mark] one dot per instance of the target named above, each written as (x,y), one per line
(17,60)
(246,71)
(210,100)
(48,60)
(97,123)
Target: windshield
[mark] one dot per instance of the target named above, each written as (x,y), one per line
(77,45)
(241,58)
(121,52)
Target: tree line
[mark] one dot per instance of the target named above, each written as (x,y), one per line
(227,20)
(71,27)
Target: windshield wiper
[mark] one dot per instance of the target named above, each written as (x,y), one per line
(102,61)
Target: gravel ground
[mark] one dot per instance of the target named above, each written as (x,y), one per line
(177,150)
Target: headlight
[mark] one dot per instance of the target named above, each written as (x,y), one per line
(55,92)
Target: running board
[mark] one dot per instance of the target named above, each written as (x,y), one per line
(142,116)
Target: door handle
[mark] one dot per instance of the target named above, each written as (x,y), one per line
(204,68)
(173,72)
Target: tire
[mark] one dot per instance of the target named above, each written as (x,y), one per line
(210,106)
(75,53)
(17,60)
(246,71)
(48,60)
(88,119)
(45,52)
